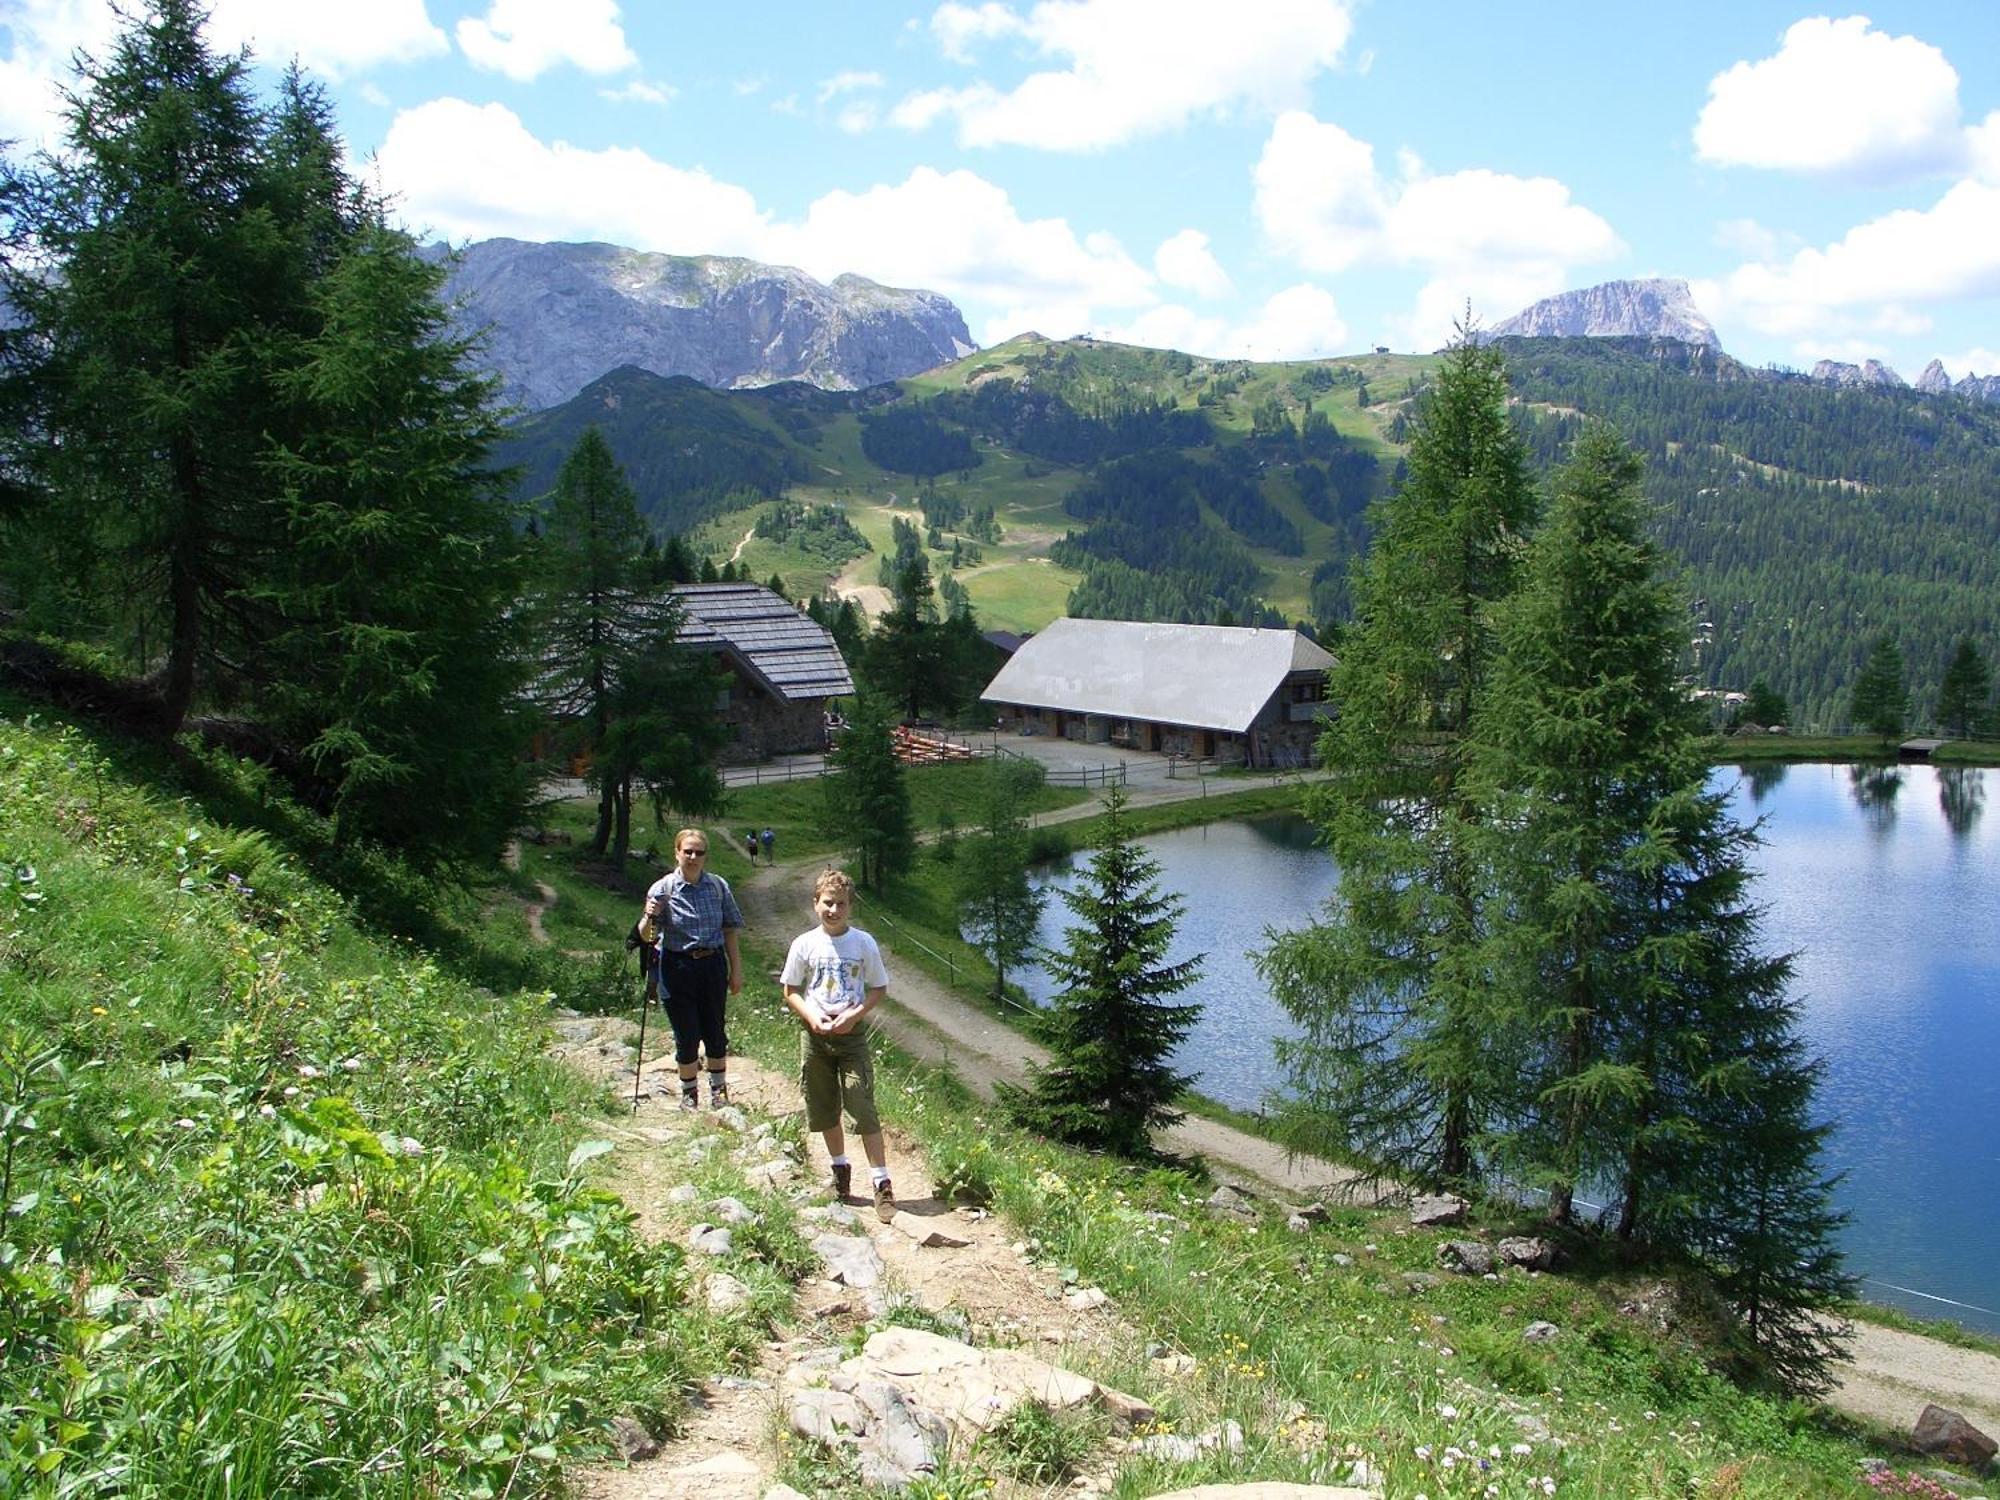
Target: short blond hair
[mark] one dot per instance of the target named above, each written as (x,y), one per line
(840,880)
(683,836)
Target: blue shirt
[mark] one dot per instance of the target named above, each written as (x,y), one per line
(693,914)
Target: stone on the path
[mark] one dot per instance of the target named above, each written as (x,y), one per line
(1267,1489)
(821,1415)
(710,1239)
(729,1117)
(1467,1257)
(1343,1259)
(837,1214)
(1227,1438)
(771,1174)
(968,1388)
(1085,1299)
(852,1260)
(1529,1252)
(1436,1210)
(783,1492)
(928,1234)
(702,1147)
(1943,1433)
(1540,1331)
(632,1441)
(1312,1213)
(732,1211)
(902,1440)
(687,1192)
(726,1294)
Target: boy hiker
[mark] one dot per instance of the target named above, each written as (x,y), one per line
(697,919)
(833,976)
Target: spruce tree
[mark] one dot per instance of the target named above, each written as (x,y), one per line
(1652,1045)
(997,906)
(1880,701)
(1109,1082)
(1387,989)
(1963,691)
(867,797)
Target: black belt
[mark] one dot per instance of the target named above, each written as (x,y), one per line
(692,952)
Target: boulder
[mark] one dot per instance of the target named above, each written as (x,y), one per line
(1230,1202)
(732,1211)
(1942,1433)
(1086,1299)
(727,1295)
(1437,1210)
(1529,1252)
(687,1192)
(1539,1332)
(632,1441)
(822,1416)
(1124,1410)
(708,1239)
(1467,1257)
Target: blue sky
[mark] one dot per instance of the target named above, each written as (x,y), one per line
(1271,178)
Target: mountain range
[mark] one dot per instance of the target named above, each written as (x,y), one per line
(554,317)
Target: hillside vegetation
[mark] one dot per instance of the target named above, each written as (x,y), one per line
(1149,484)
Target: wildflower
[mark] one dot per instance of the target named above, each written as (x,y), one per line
(98,1010)
(412,1148)
(291,1091)
(183,1123)
(1546,1484)
(1521,1450)
(267,1111)
(1449,1413)
(1424,1452)
(307,1070)
(353,1065)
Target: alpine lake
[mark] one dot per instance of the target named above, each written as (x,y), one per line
(1882,881)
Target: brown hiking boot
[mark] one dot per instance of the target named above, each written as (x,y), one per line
(885,1200)
(843,1179)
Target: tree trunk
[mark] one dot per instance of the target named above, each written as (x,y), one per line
(607,796)
(621,838)
(183,592)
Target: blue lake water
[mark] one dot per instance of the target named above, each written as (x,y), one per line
(1885,884)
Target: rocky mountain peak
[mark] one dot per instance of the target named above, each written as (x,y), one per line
(1869,372)
(554,317)
(1934,381)
(1657,308)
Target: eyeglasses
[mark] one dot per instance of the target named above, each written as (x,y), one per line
(695,853)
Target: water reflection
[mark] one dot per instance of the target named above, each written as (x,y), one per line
(1961,798)
(1875,789)
(1763,777)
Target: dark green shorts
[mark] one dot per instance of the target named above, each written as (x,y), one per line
(836,1072)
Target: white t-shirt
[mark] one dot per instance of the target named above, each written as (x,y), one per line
(834,974)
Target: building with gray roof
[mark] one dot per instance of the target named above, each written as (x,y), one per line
(783,666)
(1242,696)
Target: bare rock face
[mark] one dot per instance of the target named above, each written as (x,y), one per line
(1934,381)
(557,316)
(1848,377)
(1658,308)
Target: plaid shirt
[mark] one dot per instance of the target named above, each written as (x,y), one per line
(692,915)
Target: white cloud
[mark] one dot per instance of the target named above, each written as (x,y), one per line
(1300,322)
(1979,361)
(1173,326)
(1130,68)
(1500,241)
(331,39)
(856,119)
(1751,240)
(1871,275)
(1186,262)
(1837,97)
(525,38)
(469,171)
(847,83)
(638,91)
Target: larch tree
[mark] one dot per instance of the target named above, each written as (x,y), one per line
(1880,701)
(867,804)
(1387,989)
(1110,1081)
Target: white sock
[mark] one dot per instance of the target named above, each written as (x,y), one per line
(840,1161)
(880,1174)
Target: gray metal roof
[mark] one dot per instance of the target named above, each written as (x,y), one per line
(1200,676)
(776,642)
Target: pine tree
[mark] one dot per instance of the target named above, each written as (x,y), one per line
(1387,989)
(1109,1082)
(867,796)
(146,260)
(997,906)
(1963,691)
(1880,700)
(1652,1045)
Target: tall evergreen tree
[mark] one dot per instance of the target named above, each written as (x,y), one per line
(997,906)
(867,796)
(1880,701)
(905,658)
(1963,691)
(151,267)
(1650,1045)
(1387,990)
(1109,1082)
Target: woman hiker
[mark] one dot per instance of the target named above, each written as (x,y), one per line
(701,964)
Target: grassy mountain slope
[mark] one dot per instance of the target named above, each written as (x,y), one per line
(1809,519)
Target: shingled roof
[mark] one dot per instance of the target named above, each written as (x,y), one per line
(780,647)
(1198,676)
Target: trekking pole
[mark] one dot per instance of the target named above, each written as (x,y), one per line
(639,1064)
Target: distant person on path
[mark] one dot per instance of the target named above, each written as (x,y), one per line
(750,843)
(833,976)
(769,839)
(701,963)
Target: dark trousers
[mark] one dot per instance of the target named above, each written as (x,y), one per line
(694,992)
